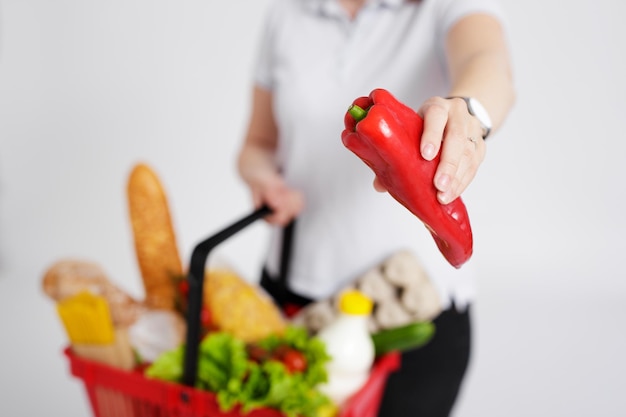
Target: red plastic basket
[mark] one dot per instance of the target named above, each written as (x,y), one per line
(114,392)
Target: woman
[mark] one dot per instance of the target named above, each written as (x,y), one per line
(315,58)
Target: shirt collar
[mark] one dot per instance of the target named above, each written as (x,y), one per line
(332,7)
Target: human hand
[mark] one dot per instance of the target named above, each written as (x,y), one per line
(451,129)
(285,202)
(449,126)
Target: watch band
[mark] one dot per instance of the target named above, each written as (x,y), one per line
(479,113)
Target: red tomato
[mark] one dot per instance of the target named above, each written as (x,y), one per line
(294,361)
(205,317)
(183,287)
(257,353)
(279,352)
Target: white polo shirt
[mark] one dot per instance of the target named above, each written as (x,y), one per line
(316,61)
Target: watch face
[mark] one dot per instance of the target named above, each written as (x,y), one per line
(480,112)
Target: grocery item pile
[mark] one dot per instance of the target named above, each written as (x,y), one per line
(250,354)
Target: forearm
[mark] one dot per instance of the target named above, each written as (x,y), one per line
(480,66)
(256,162)
(487,78)
(258,168)
(257,156)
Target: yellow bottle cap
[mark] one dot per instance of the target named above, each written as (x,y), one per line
(355,302)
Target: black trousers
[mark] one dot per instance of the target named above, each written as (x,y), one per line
(430,377)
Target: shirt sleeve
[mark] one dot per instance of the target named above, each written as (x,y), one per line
(263,72)
(453,10)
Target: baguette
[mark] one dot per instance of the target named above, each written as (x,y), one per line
(155,242)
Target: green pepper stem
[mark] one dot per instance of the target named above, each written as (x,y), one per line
(357,112)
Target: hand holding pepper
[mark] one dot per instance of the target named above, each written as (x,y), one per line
(451,129)
(462,151)
(388,137)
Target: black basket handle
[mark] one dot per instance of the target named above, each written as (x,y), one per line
(195,278)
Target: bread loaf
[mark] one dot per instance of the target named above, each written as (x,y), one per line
(68,277)
(239,307)
(155,242)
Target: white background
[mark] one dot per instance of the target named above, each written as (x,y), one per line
(89,88)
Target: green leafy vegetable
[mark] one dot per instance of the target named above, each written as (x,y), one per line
(169,366)
(222,362)
(224,367)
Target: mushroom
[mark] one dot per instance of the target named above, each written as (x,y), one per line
(403,269)
(422,301)
(375,286)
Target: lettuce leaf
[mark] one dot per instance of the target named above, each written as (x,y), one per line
(224,368)
(222,362)
(168,366)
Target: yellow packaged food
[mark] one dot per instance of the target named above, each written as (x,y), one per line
(87,319)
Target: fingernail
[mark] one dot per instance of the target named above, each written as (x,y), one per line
(428,152)
(443,198)
(443,181)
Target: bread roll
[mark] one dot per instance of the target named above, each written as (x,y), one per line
(155,241)
(68,277)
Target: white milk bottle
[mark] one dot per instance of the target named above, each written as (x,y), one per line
(350,346)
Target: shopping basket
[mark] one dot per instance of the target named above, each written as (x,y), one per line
(114,392)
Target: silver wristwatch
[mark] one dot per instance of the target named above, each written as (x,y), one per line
(479,112)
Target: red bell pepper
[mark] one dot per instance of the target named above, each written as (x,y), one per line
(386,135)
